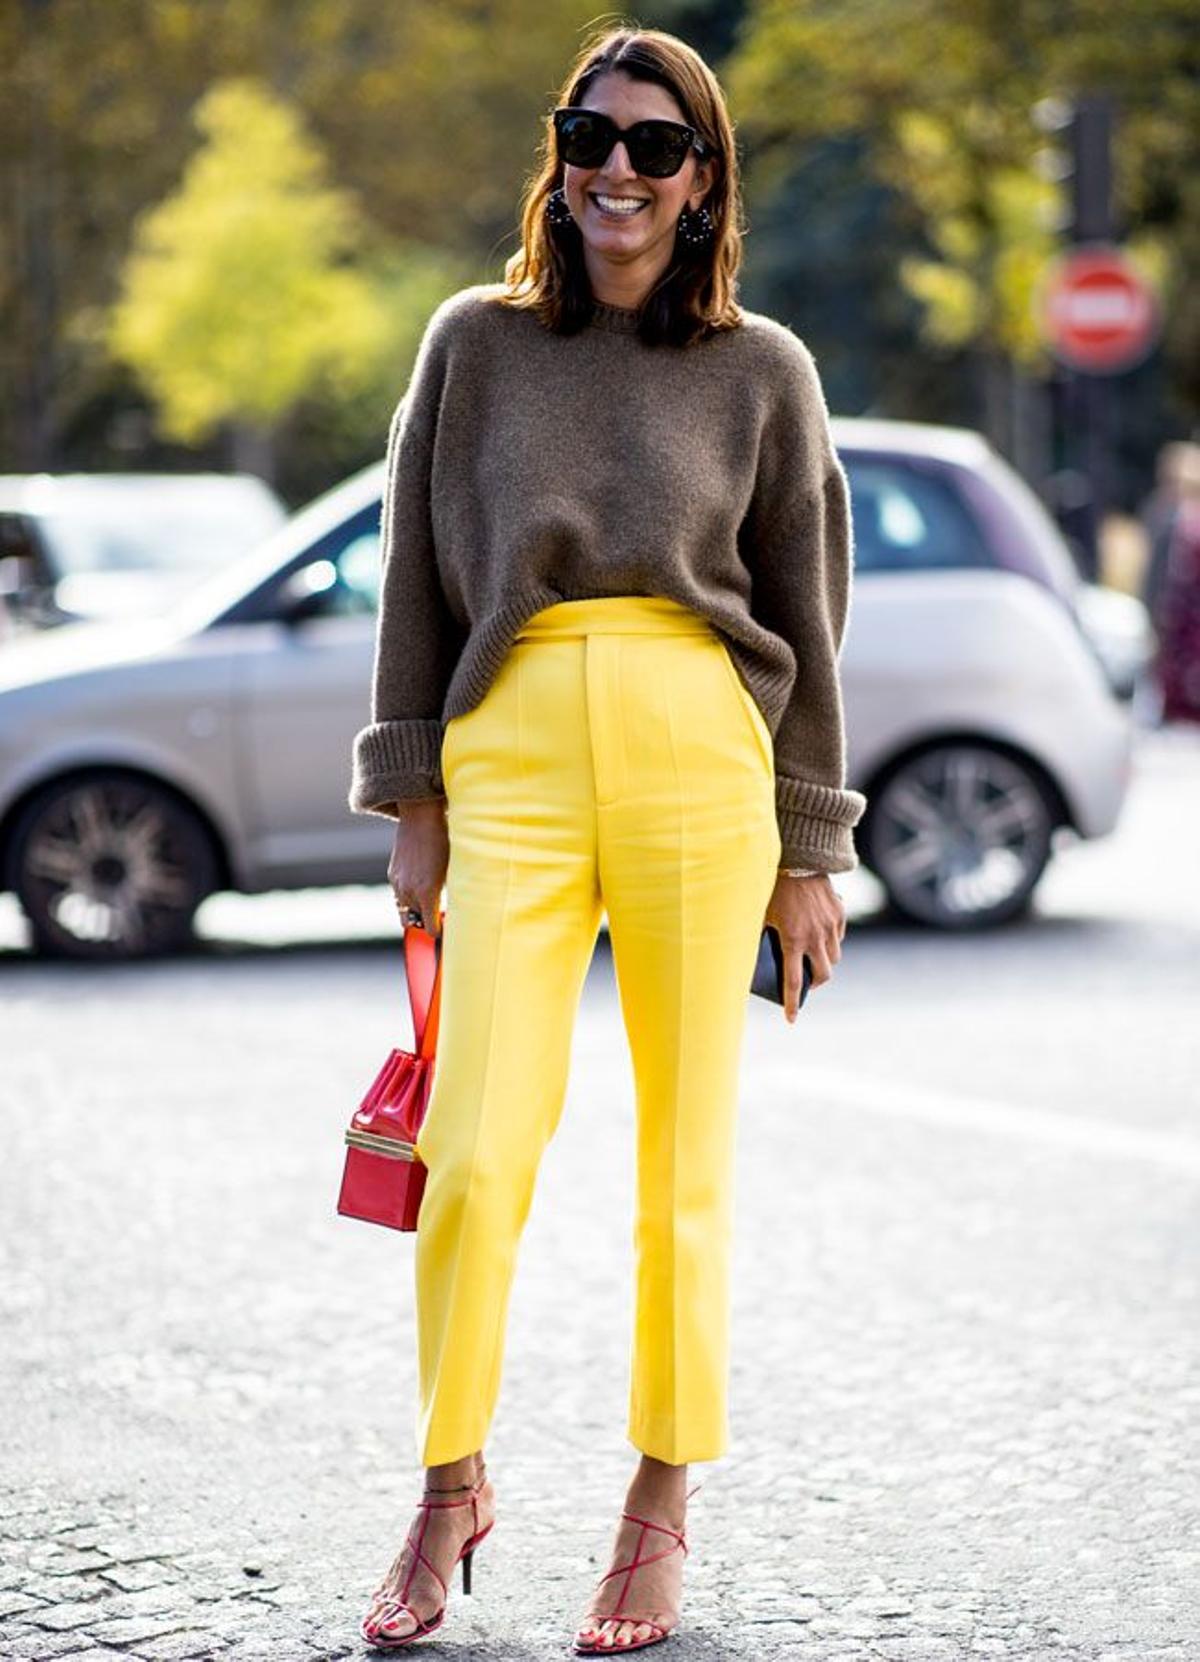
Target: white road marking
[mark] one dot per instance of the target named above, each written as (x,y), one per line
(1179,1154)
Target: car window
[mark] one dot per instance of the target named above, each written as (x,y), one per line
(906,519)
(187,529)
(348,557)
(18,540)
(358,572)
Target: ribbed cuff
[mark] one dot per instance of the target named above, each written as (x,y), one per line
(395,761)
(816,823)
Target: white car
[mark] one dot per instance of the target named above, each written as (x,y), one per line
(145,764)
(106,545)
(987,685)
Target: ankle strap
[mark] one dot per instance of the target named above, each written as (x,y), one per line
(459,1488)
(667,1529)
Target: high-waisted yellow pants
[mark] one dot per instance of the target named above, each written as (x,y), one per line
(617,764)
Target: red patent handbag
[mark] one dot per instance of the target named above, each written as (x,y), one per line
(383,1179)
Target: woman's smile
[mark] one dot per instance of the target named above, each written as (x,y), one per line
(617,206)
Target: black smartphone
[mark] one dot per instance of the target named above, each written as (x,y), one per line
(768,970)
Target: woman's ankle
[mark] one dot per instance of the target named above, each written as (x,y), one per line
(658,1484)
(453,1474)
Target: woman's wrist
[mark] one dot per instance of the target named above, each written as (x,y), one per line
(417,804)
(799,871)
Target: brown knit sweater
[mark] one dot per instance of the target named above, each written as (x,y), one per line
(526,467)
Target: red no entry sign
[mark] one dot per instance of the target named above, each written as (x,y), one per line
(1096,311)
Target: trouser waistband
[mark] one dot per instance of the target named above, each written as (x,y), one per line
(616,614)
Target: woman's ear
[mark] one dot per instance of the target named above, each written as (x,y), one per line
(706,173)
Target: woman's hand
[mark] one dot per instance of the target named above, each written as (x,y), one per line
(809,916)
(420,858)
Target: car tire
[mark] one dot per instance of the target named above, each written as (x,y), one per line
(959,834)
(110,866)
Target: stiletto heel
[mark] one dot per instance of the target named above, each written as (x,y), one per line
(595,1619)
(385,1607)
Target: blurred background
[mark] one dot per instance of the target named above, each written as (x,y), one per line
(224,226)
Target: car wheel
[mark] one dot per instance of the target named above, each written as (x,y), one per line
(110,866)
(959,835)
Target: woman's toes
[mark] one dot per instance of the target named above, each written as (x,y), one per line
(614,1633)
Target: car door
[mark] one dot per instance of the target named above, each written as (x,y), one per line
(920,556)
(304,691)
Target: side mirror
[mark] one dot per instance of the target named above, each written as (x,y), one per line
(308,592)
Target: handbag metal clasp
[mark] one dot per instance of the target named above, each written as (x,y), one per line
(393,1147)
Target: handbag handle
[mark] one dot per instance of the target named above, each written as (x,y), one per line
(423,972)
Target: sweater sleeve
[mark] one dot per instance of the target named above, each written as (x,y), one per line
(397,756)
(798,546)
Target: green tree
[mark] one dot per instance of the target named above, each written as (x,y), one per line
(242,289)
(428,115)
(942,93)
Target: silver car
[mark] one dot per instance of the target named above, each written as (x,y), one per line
(147,764)
(110,545)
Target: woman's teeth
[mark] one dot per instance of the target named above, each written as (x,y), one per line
(625,206)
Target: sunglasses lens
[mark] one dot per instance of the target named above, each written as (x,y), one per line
(583,141)
(656,148)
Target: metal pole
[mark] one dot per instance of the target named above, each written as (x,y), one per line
(37,352)
(1092,395)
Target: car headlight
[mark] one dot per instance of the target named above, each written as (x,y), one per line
(1117,627)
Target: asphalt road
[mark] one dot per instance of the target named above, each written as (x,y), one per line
(966,1315)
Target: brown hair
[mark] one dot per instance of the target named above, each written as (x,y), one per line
(695,296)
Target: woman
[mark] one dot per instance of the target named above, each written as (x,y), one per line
(1171,587)
(1177,618)
(617,556)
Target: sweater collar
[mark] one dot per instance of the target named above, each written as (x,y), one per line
(620,319)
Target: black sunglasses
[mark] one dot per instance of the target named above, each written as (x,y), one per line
(658,149)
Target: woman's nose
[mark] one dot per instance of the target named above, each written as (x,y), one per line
(618,163)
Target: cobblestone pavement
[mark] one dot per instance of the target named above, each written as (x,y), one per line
(966,1375)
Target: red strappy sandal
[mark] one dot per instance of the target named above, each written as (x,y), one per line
(595,1619)
(385,1606)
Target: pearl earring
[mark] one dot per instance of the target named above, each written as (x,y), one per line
(557,211)
(695,228)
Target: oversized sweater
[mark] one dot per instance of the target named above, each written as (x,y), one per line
(526,467)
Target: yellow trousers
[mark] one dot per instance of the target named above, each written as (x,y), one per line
(617,764)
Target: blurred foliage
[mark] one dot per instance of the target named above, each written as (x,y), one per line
(242,288)
(428,118)
(222,214)
(252,289)
(944,95)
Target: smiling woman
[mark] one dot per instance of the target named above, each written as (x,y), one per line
(622,164)
(637,202)
(616,576)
